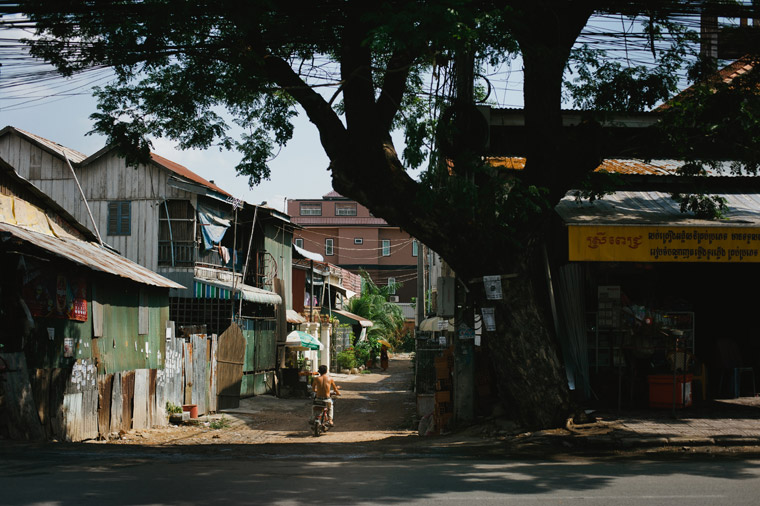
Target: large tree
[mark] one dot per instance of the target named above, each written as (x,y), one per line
(181,63)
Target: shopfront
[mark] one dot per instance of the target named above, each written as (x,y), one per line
(659,291)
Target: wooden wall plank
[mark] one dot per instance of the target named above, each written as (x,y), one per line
(140,413)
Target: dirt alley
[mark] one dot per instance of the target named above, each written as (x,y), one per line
(371,407)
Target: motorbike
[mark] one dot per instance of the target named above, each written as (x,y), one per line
(320,420)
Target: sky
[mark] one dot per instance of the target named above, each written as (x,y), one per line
(298,170)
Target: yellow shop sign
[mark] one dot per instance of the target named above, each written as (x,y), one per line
(663,244)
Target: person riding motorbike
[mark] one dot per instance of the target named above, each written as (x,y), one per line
(321,386)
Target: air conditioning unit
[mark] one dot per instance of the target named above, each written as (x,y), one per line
(393,298)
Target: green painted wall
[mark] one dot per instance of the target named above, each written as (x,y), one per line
(278,242)
(121,348)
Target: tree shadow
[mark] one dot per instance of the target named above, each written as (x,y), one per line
(277,474)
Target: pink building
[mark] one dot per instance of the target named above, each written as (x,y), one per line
(347,235)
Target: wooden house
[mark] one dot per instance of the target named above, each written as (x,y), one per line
(172,221)
(83,348)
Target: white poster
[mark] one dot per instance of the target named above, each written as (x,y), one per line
(493,287)
(489,319)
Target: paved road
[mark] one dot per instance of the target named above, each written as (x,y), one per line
(85,474)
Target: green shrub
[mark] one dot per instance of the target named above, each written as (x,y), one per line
(346,359)
(363,352)
(172,408)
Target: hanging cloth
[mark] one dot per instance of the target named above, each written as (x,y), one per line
(214,225)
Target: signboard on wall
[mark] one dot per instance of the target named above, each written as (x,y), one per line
(617,243)
(56,295)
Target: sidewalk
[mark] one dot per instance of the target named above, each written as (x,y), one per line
(725,422)
(717,425)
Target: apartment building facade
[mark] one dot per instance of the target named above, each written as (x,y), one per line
(347,235)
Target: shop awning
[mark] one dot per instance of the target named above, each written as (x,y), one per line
(436,324)
(293,317)
(308,254)
(351,316)
(216,289)
(302,340)
(648,226)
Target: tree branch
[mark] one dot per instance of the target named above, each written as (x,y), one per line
(394,87)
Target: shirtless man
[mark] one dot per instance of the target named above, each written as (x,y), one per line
(322,386)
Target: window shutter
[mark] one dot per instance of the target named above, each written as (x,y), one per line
(125,219)
(113,221)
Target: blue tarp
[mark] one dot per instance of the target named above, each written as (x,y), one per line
(214,225)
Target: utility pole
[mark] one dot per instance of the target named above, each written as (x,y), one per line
(464,354)
(420,283)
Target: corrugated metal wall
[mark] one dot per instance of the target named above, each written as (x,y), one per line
(260,357)
(121,347)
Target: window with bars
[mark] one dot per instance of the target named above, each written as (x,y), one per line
(345,209)
(392,286)
(329,247)
(298,242)
(119,217)
(415,248)
(176,233)
(386,247)
(311,209)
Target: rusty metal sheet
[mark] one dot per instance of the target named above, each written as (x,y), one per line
(90,255)
(105,389)
(127,394)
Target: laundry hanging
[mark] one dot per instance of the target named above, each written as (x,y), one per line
(214,225)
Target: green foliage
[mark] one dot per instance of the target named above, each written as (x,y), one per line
(346,359)
(364,352)
(220,423)
(374,305)
(172,408)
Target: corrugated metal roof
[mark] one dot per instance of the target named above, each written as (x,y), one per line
(630,166)
(185,172)
(89,255)
(338,220)
(250,293)
(655,208)
(73,155)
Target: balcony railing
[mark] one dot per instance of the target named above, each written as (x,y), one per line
(187,254)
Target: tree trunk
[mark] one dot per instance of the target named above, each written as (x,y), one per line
(524,352)
(523,349)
